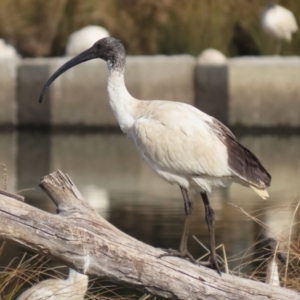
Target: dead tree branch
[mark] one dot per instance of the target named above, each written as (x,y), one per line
(81,239)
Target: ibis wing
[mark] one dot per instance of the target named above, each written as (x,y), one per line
(241,160)
(178,138)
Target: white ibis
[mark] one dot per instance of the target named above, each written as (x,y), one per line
(84,38)
(73,288)
(182,144)
(279,23)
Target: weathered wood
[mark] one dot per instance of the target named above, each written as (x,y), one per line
(11,195)
(81,239)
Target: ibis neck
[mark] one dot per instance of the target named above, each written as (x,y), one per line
(122,103)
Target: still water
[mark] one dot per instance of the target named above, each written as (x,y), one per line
(107,170)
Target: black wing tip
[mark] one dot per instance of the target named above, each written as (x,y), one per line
(241,160)
(247,165)
(264,178)
(268,179)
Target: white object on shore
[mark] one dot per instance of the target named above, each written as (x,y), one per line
(212,57)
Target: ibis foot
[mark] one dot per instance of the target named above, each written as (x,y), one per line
(187,255)
(210,264)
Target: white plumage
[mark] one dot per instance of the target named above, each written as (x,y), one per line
(187,146)
(73,288)
(84,38)
(279,23)
(180,143)
(175,139)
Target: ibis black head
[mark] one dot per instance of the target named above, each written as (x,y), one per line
(109,49)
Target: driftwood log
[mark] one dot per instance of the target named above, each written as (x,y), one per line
(80,238)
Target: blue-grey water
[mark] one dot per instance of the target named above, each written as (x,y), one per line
(108,171)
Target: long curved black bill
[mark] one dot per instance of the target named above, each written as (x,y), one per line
(80,58)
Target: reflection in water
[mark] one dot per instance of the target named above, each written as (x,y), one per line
(97,198)
(107,170)
(279,221)
(8,152)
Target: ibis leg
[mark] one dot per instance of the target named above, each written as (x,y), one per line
(210,220)
(188,208)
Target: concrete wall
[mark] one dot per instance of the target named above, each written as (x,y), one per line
(8,88)
(264,92)
(261,91)
(32,74)
(212,94)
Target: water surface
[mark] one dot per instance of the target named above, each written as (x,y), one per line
(107,170)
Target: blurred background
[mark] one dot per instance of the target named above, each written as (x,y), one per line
(41,28)
(74,130)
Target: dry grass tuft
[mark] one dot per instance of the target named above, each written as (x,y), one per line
(28,271)
(288,247)
(252,262)
(33,269)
